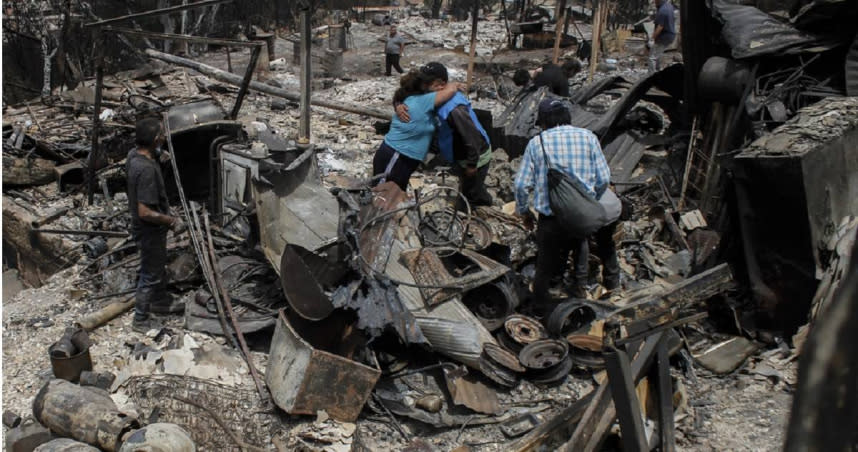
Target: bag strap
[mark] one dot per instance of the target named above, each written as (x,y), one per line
(544,154)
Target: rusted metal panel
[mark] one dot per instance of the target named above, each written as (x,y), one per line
(301,377)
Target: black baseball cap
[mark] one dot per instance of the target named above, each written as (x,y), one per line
(433,71)
(549,105)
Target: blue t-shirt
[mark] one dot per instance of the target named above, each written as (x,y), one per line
(665,17)
(412,138)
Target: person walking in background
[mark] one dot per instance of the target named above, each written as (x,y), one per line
(394,48)
(664,33)
(407,142)
(576,152)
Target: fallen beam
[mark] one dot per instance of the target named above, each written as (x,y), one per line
(236,80)
(184,38)
(95,319)
(664,307)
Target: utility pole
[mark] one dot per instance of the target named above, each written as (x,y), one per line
(306,75)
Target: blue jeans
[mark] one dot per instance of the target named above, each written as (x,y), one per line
(152,246)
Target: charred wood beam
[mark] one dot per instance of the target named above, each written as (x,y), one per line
(234,79)
(96,119)
(306,76)
(155,12)
(664,307)
(601,413)
(81,232)
(248,76)
(185,38)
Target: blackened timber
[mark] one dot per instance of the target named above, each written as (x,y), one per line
(185,38)
(558,426)
(156,12)
(625,400)
(600,414)
(248,76)
(667,304)
(234,79)
(96,119)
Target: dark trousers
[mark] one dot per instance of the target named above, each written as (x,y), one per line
(474,188)
(152,246)
(391,59)
(553,247)
(398,171)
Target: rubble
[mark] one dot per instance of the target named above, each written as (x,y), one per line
(322,314)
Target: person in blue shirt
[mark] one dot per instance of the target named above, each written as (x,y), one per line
(576,152)
(407,142)
(461,140)
(664,33)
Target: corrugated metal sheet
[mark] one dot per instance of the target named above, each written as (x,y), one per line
(752,33)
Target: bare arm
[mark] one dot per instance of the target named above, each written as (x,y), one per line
(447,93)
(150,216)
(657,31)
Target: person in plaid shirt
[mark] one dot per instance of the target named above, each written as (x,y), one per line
(577,152)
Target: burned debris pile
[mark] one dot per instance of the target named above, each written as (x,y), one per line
(323,312)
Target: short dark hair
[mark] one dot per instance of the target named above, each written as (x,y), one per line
(552,113)
(147,131)
(430,72)
(521,77)
(571,67)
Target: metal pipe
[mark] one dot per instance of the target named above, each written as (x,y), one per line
(82,232)
(155,12)
(248,75)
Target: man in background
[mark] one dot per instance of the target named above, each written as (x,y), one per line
(394,47)
(555,77)
(664,33)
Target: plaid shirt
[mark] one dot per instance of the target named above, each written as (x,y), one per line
(574,151)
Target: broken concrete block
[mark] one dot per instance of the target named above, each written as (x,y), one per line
(727,356)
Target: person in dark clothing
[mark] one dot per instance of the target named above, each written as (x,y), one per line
(576,152)
(150,221)
(664,33)
(461,140)
(555,77)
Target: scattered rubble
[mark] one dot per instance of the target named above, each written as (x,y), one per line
(322,314)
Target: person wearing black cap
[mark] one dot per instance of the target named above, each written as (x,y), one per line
(461,139)
(576,152)
(407,143)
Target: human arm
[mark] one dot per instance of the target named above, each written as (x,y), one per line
(152,216)
(603,171)
(447,92)
(656,32)
(524,181)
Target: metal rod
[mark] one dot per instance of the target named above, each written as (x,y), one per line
(228,305)
(96,120)
(155,12)
(245,83)
(306,77)
(82,232)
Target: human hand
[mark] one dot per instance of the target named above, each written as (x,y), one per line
(178,225)
(402,113)
(526,219)
(650,44)
(470,171)
(164,156)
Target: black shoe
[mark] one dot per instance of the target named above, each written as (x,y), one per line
(146,325)
(169,306)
